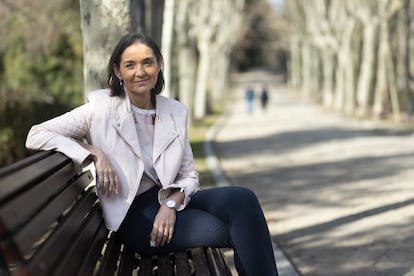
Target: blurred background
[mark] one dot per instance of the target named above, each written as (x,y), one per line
(352,56)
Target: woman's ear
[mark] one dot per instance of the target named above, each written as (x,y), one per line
(161,64)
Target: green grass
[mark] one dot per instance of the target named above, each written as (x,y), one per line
(197,133)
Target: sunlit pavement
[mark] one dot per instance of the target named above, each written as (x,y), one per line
(337,192)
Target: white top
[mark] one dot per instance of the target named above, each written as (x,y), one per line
(144,123)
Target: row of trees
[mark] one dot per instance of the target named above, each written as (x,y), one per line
(197,38)
(353,56)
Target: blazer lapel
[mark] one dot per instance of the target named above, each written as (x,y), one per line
(165,129)
(124,123)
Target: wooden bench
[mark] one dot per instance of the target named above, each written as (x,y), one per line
(51,224)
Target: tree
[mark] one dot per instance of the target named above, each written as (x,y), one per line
(354,46)
(212,39)
(367,15)
(40,67)
(205,34)
(386,85)
(103,22)
(406,58)
(186,53)
(167,43)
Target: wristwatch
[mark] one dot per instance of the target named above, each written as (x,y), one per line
(171,204)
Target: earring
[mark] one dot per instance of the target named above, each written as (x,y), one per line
(121,83)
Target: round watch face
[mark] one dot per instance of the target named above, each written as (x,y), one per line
(170,204)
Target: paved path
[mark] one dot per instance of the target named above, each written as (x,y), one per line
(338,193)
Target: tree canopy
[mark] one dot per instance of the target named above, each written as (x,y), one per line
(40,67)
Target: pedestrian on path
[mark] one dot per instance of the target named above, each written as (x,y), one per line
(154,205)
(250,98)
(264,97)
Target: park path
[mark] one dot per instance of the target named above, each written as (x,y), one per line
(338,193)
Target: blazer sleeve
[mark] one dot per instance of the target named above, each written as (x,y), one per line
(62,133)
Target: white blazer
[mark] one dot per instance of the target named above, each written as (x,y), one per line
(108,124)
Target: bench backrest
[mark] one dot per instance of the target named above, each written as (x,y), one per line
(45,213)
(51,224)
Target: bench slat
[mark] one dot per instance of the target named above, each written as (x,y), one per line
(164,265)
(200,262)
(95,253)
(217,263)
(145,266)
(110,258)
(18,210)
(40,223)
(15,182)
(49,253)
(81,244)
(181,264)
(127,262)
(22,164)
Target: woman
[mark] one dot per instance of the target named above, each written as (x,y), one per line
(146,181)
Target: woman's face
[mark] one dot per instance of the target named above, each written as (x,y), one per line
(138,69)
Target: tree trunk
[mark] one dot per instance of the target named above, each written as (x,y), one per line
(386,85)
(348,67)
(205,29)
(364,91)
(295,62)
(200,100)
(381,89)
(395,102)
(231,15)
(138,16)
(186,69)
(155,20)
(328,57)
(167,44)
(220,78)
(103,22)
(186,62)
(339,95)
(407,60)
(306,68)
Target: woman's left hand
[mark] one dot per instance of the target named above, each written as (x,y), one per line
(163,227)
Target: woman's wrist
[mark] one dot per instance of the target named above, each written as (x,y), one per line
(177,195)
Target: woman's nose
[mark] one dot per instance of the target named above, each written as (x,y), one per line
(139,71)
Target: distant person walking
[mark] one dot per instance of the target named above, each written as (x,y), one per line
(250,98)
(264,96)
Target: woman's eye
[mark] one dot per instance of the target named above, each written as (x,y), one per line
(129,65)
(148,62)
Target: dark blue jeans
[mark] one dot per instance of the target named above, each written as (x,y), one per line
(226,217)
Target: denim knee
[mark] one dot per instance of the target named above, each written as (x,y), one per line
(242,197)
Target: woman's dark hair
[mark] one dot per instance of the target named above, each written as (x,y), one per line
(127,40)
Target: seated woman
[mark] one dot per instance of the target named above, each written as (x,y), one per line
(146,181)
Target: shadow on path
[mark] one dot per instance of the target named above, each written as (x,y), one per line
(343,220)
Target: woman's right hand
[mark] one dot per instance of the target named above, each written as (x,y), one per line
(106,178)
(107,181)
